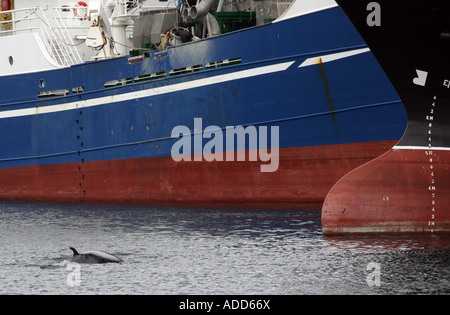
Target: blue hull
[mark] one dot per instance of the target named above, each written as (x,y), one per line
(269,81)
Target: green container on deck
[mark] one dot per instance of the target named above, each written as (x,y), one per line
(232,21)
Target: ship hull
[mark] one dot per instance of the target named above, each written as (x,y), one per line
(304,176)
(403,191)
(406,190)
(306,76)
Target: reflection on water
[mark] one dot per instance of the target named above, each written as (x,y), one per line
(391,243)
(186,250)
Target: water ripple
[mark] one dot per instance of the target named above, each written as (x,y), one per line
(176,250)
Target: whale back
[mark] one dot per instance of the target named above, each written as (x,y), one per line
(94,257)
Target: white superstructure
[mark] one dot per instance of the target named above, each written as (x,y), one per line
(38,35)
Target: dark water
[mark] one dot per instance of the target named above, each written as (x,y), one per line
(203,251)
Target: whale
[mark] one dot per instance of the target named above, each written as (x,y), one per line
(94,257)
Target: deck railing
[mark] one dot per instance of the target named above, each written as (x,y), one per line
(55,36)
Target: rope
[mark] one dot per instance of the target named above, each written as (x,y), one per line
(131,47)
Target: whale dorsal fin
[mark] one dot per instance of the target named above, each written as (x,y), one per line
(75,253)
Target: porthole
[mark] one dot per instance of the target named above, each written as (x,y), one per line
(11,60)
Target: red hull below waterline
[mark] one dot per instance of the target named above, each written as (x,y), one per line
(304,175)
(402,191)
